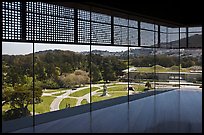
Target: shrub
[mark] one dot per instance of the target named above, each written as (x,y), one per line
(15,113)
(50,84)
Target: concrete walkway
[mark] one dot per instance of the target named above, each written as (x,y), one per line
(87,97)
(56,102)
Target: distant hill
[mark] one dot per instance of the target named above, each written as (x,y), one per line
(194,41)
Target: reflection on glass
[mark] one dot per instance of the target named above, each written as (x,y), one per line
(148,38)
(194,29)
(173,38)
(108,72)
(195,40)
(17,81)
(147,26)
(183,39)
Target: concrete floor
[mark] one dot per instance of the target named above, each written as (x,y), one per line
(173,111)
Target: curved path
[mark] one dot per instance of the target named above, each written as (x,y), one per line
(56,102)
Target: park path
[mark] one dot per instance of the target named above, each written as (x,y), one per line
(87,96)
(54,106)
(56,102)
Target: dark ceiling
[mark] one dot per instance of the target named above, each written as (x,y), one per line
(183,13)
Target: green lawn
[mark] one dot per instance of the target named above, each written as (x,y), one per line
(145,69)
(116,87)
(44,106)
(118,91)
(83,92)
(54,90)
(66,101)
(58,94)
(139,87)
(5,107)
(123,87)
(50,91)
(84,101)
(160,69)
(113,94)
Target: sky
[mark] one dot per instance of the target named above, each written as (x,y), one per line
(16,48)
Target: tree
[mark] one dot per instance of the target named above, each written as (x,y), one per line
(19,97)
(95,73)
(79,77)
(108,73)
(82,77)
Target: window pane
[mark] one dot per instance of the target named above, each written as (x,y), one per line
(100,17)
(101,33)
(195,40)
(183,38)
(83,31)
(195,29)
(133,36)
(167,68)
(149,26)
(82,14)
(148,38)
(120,35)
(11,21)
(141,70)
(57,24)
(108,64)
(17,84)
(120,21)
(63,72)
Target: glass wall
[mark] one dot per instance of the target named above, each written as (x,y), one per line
(103,58)
(108,67)
(141,69)
(62,71)
(148,34)
(191,59)
(17,81)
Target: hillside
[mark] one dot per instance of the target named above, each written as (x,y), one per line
(195,41)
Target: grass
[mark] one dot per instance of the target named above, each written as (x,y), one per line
(53,90)
(50,91)
(139,87)
(5,107)
(145,69)
(123,87)
(66,101)
(116,87)
(160,69)
(118,91)
(84,101)
(83,92)
(44,106)
(58,94)
(113,94)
